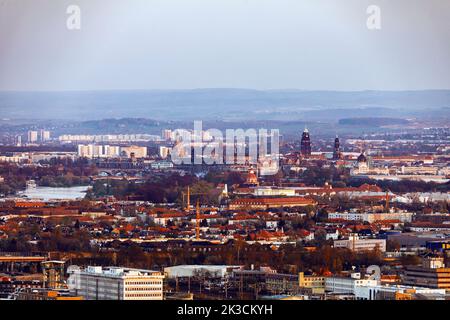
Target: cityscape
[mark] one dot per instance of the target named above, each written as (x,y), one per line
(160,150)
(111,217)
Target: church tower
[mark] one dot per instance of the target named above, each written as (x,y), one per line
(337,149)
(305,145)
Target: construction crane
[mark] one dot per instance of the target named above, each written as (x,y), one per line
(387,199)
(187,198)
(188,209)
(197,221)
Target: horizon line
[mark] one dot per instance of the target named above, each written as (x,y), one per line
(219,89)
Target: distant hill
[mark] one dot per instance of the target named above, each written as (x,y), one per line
(223,104)
(373,122)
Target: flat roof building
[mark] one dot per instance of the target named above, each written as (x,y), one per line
(355,243)
(347,285)
(432,274)
(114,283)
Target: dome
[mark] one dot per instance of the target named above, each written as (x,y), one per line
(362,158)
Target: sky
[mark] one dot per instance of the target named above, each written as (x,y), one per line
(254,44)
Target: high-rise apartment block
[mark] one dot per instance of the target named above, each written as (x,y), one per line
(167,134)
(32,136)
(107,151)
(44,135)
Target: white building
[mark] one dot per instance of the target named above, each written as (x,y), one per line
(355,243)
(347,285)
(424,197)
(138,152)
(35,157)
(371,217)
(113,283)
(274,191)
(108,138)
(161,165)
(164,152)
(381,292)
(44,135)
(334,235)
(107,151)
(218,271)
(371,289)
(167,135)
(14,159)
(32,136)
(98,151)
(364,168)
(432,170)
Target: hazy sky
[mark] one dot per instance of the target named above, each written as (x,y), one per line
(261,44)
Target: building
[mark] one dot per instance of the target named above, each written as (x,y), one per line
(32,136)
(36,157)
(107,151)
(251,179)
(266,203)
(372,217)
(108,138)
(161,165)
(315,283)
(429,170)
(53,272)
(337,149)
(268,191)
(167,135)
(355,243)
(44,135)
(432,274)
(305,144)
(438,246)
(278,283)
(164,152)
(396,292)
(133,151)
(414,240)
(363,167)
(45,295)
(254,277)
(113,283)
(347,285)
(98,151)
(189,271)
(9,286)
